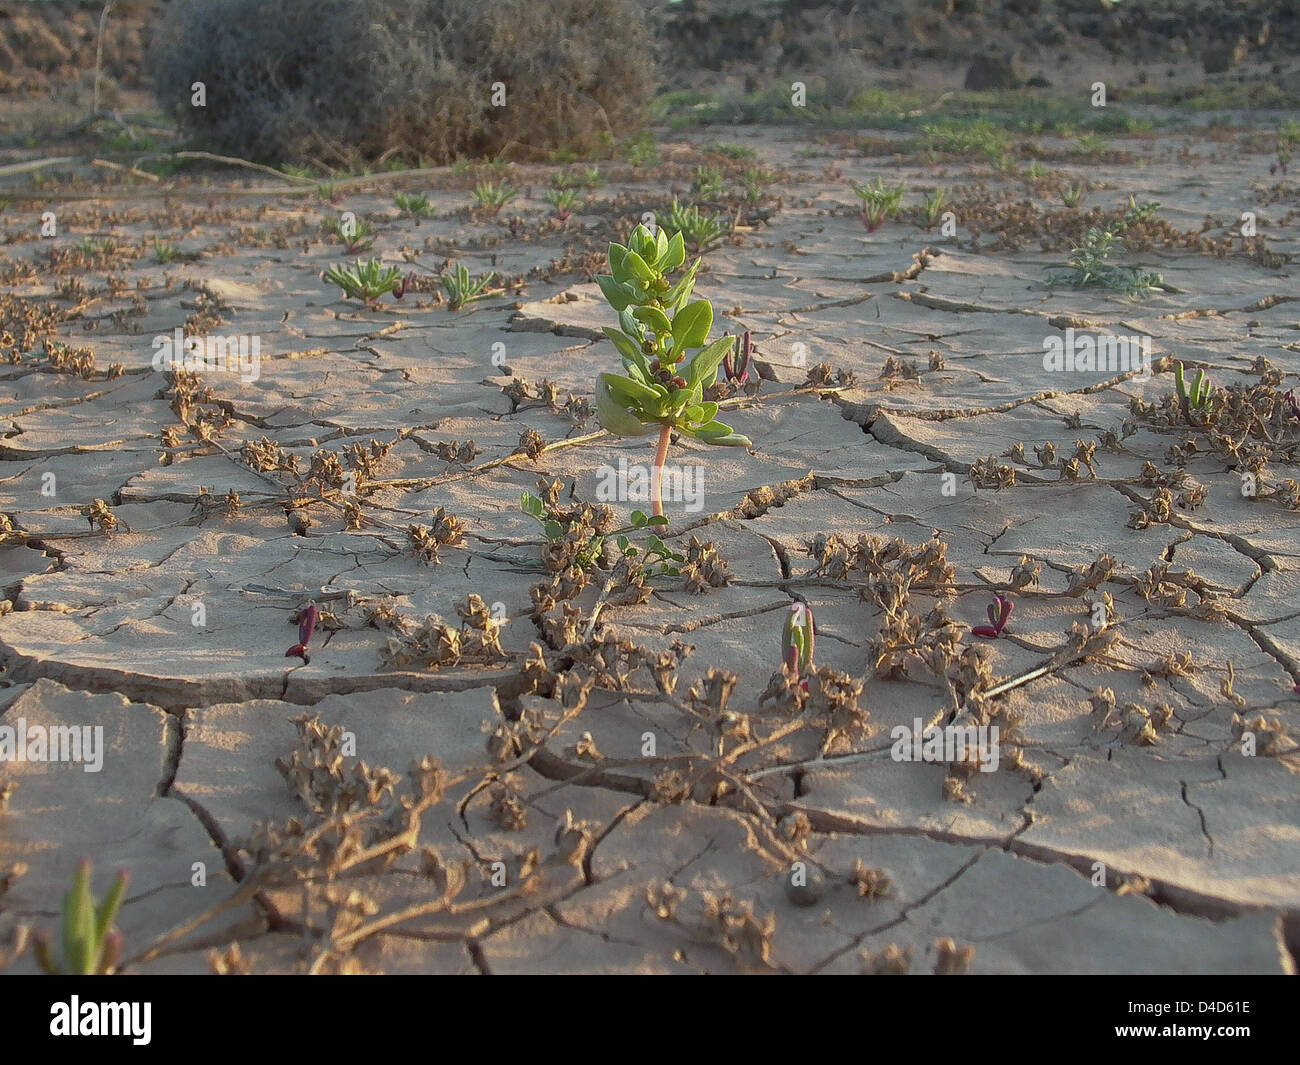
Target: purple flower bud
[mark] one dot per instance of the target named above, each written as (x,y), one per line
(998,611)
(738,371)
(307,619)
(307,624)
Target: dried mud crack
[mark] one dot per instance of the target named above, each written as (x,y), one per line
(500,754)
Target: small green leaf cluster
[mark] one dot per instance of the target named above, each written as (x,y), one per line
(365,281)
(491,197)
(1200,397)
(1090,259)
(461,289)
(90,945)
(415,206)
(657,559)
(355,237)
(700,230)
(880,202)
(564,200)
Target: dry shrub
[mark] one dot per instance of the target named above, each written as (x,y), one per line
(340,81)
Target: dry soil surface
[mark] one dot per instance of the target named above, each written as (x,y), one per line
(583,818)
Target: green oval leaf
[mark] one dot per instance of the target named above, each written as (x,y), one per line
(675,255)
(613,412)
(638,268)
(617,261)
(691,325)
(703,369)
(617,295)
(655,319)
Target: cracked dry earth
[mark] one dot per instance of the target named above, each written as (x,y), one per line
(1124,830)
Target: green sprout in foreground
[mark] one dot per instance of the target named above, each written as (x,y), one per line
(658,326)
(91,946)
(1199,398)
(798,638)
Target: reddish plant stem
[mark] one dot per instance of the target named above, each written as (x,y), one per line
(657,472)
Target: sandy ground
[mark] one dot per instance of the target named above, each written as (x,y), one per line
(1126,832)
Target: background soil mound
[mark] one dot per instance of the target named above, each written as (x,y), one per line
(779,34)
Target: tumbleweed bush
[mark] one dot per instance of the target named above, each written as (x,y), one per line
(346,81)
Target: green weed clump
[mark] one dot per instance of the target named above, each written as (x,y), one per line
(880,202)
(1089,260)
(366,281)
(700,230)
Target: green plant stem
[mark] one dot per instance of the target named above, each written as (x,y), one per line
(657,473)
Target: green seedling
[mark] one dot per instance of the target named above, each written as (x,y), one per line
(355,234)
(492,197)
(366,281)
(1089,260)
(980,137)
(91,946)
(754,184)
(933,207)
(1089,144)
(798,637)
(880,202)
(461,289)
(657,559)
(700,231)
(641,150)
(564,201)
(163,252)
(1199,398)
(707,184)
(739,152)
(658,324)
(102,248)
(1072,195)
(588,177)
(415,206)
